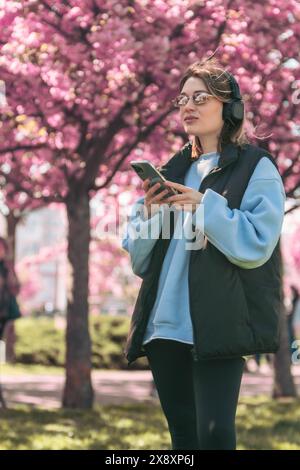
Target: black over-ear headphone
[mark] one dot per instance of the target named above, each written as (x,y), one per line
(233,110)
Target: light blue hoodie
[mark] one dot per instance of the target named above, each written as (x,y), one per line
(246,236)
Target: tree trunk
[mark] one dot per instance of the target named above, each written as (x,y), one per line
(9,335)
(283,382)
(78,391)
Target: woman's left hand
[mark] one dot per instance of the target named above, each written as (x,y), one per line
(189,200)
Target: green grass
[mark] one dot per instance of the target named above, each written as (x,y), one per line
(37,369)
(261,424)
(28,369)
(265,424)
(106,427)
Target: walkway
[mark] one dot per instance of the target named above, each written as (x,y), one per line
(112,387)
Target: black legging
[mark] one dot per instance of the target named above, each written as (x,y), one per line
(199,399)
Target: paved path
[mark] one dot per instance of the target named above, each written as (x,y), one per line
(112,387)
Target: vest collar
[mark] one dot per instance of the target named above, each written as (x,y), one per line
(176,168)
(229,155)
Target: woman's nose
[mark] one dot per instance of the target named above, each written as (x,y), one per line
(190,101)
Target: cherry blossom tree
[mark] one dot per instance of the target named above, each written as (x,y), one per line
(89,85)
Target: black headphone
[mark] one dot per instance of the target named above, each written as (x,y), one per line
(233,110)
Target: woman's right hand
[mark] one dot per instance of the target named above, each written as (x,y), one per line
(152,203)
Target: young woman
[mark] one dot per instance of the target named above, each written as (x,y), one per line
(202,308)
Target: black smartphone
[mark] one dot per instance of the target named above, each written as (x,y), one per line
(145,169)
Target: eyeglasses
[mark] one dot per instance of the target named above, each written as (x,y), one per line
(197,97)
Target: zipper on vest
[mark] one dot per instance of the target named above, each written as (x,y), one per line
(194,354)
(215,169)
(194,349)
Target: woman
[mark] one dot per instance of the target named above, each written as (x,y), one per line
(9,288)
(203,306)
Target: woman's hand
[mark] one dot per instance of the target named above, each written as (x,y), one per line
(188,200)
(151,202)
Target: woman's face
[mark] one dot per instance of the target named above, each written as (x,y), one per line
(208,115)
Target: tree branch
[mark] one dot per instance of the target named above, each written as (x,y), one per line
(141,137)
(21,147)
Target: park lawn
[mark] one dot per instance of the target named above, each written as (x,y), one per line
(261,424)
(36,369)
(28,369)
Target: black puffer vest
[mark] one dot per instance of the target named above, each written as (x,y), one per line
(234,311)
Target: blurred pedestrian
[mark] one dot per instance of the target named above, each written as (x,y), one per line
(291,318)
(9,288)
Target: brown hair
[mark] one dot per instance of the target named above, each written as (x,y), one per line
(212,74)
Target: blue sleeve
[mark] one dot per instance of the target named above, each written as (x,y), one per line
(140,236)
(247,236)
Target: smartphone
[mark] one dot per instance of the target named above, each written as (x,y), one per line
(145,170)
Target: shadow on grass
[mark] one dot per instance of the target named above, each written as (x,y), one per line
(112,427)
(262,423)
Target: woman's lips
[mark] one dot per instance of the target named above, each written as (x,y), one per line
(190,120)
